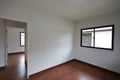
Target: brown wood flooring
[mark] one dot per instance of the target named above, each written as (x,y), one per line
(15,69)
(72,70)
(75,70)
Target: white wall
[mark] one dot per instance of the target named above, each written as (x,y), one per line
(103,58)
(49,37)
(13,38)
(2,57)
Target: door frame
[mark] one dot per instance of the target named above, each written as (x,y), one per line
(26,44)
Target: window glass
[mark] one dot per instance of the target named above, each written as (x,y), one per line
(98,37)
(87,37)
(22,39)
(103,37)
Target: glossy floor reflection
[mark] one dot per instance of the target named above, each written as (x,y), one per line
(75,70)
(15,69)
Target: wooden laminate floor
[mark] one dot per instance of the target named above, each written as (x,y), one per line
(15,69)
(75,70)
(72,70)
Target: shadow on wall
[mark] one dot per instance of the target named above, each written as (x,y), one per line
(71,55)
(114,65)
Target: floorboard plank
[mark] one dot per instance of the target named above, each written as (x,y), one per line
(75,70)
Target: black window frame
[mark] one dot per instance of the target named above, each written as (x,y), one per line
(112,47)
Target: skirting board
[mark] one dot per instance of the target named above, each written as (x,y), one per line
(15,53)
(97,67)
(80,62)
(2,68)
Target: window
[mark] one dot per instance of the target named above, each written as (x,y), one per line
(22,39)
(98,37)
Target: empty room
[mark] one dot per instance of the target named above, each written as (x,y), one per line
(63,40)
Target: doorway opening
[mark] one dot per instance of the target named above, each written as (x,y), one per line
(16,44)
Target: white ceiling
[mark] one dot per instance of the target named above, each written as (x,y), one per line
(75,9)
